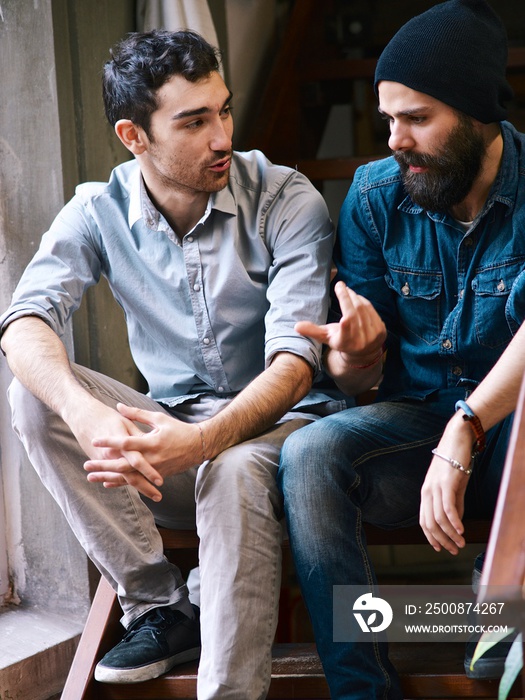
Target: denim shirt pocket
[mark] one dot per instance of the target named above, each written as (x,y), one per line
(418,301)
(496,296)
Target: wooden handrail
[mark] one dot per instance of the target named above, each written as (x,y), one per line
(504,568)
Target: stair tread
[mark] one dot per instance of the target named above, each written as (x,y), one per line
(297,672)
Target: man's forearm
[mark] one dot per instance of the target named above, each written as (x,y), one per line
(260,405)
(38,358)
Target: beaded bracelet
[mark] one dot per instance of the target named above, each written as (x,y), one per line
(453,463)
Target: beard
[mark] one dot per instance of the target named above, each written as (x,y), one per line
(451,171)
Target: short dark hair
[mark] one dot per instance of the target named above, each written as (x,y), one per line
(143,61)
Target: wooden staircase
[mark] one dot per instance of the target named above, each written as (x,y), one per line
(427,670)
(321,63)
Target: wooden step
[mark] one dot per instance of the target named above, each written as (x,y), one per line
(432,671)
(476,532)
(297,673)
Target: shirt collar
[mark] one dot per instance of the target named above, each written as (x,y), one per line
(224,200)
(137,195)
(141,206)
(505,185)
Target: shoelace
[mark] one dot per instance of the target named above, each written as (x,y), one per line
(156,621)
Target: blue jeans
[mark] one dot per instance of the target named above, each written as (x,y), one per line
(365,464)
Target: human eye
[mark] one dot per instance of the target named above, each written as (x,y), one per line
(227,111)
(195,124)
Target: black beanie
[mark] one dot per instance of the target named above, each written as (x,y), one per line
(456,52)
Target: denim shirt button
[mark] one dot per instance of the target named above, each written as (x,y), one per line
(447,344)
(501,286)
(206,341)
(468,241)
(457,371)
(190,239)
(405,289)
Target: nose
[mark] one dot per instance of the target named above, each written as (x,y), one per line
(221,138)
(400,138)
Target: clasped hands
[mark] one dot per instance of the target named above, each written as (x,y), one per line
(122,453)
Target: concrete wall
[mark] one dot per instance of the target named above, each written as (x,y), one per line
(52,135)
(250,29)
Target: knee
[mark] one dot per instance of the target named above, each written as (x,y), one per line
(305,456)
(240,474)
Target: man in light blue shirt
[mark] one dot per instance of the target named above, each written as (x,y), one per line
(214,256)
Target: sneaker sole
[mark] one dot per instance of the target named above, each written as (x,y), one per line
(137,674)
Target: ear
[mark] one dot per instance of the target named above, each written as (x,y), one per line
(132,136)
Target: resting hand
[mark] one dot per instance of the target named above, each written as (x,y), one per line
(359,335)
(443,491)
(170,447)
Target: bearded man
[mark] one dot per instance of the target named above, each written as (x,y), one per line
(430,257)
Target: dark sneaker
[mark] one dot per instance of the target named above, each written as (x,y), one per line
(155,643)
(492,663)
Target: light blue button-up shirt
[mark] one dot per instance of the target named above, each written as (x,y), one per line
(451,298)
(206,313)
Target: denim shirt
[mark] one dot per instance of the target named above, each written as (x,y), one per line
(207,313)
(451,299)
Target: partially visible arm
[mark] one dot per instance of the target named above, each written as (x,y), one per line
(497,395)
(38,358)
(442,495)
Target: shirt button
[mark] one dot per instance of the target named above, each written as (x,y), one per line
(196,288)
(206,341)
(447,344)
(501,286)
(220,388)
(457,371)
(405,289)
(190,239)
(468,241)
